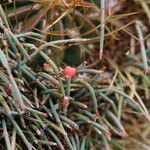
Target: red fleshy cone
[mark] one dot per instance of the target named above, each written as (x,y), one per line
(69,72)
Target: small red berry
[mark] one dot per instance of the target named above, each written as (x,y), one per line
(65,101)
(69,72)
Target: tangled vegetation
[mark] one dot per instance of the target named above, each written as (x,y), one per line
(74,74)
